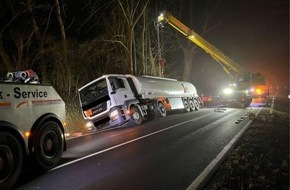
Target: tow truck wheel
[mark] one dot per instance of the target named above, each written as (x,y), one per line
(186,106)
(196,105)
(191,105)
(10,160)
(136,117)
(49,145)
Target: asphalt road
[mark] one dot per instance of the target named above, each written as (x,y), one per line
(168,153)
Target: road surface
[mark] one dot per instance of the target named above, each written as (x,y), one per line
(169,153)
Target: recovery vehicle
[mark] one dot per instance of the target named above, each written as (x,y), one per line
(32,122)
(244,86)
(115,99)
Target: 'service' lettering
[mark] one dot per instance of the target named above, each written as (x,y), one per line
(29,94)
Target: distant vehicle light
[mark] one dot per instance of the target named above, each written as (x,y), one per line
(67,135)
(228,91)
(27,134)
(206,98)
(289,96)
(258,91)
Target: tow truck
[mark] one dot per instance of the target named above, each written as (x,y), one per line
(32,125)
(243,85)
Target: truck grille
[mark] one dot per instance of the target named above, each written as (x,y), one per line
(96,109)
(99,108)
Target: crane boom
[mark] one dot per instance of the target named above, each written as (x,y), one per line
(229,65)
(244,85)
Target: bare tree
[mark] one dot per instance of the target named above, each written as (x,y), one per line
(39,37)
(14,14)
(189,48)
(64,66)
(132,12)
(5,57)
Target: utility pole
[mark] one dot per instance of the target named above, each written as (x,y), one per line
(160,60)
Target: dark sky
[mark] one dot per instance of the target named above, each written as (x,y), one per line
(254,33)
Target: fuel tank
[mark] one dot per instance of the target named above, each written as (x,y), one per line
(148,86)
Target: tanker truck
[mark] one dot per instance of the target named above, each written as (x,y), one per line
(115,99)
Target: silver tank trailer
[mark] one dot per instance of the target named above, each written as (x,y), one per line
(150,87)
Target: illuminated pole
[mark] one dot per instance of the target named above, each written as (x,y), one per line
(160,70)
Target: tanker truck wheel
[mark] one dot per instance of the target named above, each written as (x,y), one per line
(247,103)
(196,105)
(160,111)
(136,117)
(186,106)
(191,105)
(49,145)
(10,160)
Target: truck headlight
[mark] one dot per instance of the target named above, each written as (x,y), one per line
(114,114)
(89,125)
(228,91)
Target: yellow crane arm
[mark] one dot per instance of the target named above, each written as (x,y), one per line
(229,65)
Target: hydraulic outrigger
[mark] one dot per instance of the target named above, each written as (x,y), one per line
(243,85)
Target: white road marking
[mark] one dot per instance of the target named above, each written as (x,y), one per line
(127,142)
(213,165)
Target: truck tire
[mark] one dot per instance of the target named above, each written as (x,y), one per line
(186,105)
(191,105)
(196,105)
(49,145)
(135,117)
(247,103)
(160,111)
(11,159)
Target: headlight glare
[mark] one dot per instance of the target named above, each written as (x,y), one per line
(89,125)
(228,91)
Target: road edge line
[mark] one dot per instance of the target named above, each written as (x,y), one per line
(205,175)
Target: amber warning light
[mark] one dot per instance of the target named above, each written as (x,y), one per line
(88,112)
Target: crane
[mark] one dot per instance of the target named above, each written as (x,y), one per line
(243,85)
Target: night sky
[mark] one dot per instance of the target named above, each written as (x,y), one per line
(254,33)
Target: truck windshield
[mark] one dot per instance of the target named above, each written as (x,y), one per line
(94,92)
